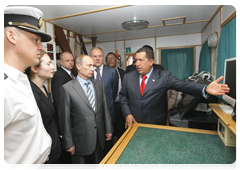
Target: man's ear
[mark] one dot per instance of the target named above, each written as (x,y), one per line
(34,69)
(11,36)
(78,65)
(151,61)
(60,62)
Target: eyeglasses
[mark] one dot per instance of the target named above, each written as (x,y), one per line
(111,58)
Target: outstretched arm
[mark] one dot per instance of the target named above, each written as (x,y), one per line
(215,88)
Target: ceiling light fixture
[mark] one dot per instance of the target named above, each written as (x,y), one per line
(135,24)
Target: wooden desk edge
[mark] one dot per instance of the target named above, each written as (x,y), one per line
(224,117)
(112,157)
(119,146)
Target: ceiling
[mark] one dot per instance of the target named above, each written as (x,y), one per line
(104,21)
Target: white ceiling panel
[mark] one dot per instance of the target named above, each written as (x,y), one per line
(102,20)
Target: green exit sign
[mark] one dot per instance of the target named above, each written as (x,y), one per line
(128,49)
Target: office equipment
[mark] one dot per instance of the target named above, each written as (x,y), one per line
(226,135)
(226,108)
(226,118)
(230,80)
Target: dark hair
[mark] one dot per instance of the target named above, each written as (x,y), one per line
(109,54)
(28,70)
(148,47)
(148,51)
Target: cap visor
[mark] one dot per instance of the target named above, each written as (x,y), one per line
(44,36)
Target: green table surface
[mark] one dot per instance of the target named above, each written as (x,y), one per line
(159,146)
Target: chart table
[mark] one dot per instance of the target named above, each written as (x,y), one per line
(155,144)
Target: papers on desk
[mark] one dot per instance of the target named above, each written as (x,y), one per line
(226,108)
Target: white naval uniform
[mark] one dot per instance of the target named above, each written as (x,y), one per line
(25,139)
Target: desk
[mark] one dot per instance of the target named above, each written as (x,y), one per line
(226,118)
(155,144)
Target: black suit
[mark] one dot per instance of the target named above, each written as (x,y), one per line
(60,78)
(48,116)
(133,67)
(119,125)
(152,106)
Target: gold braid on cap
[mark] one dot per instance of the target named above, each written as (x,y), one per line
(23,24)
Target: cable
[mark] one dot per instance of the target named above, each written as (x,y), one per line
(204,75)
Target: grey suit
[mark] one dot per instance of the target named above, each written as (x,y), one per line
(152,106)
(79,123)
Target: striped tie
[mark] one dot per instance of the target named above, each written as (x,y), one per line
(90,96)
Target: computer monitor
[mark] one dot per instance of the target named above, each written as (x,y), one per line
(230,80)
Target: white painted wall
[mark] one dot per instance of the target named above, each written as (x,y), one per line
(138,43)
(179,40)
(206,33)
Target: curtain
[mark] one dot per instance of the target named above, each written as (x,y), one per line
(178,61)
(227,46)
(205,58)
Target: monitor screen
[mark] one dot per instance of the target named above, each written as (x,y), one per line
(230,80)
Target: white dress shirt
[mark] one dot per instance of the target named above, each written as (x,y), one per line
(69,72)
(25,139)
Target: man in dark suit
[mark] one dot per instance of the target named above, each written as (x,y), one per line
(62,76)
(143,97)
(84,115)
(133,66)
(109,77)
(119,125)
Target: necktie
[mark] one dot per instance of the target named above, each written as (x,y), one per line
(142,86)
(90,96)
(98,77)
(73,77)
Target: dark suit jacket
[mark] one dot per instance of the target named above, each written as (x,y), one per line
(79,123)
(133,67)
(121,72)
(152,106)
(48,116)
(110,80)
(60,78)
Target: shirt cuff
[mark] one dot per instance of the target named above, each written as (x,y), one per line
(204,93)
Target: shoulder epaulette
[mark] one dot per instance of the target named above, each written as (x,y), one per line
(5,76)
